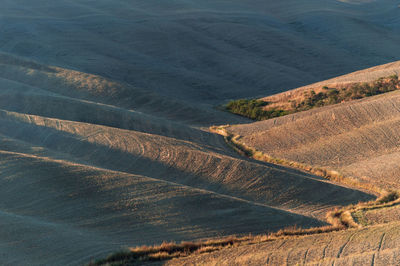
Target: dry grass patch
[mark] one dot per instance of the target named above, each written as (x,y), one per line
(353,216)
(167,251)
(340,219)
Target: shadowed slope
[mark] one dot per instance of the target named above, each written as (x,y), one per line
(162,188)
(19,75)
(179,161)
(87,211)
(161,171)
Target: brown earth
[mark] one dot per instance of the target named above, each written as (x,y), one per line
(104,105)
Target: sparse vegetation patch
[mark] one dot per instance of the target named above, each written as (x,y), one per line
(253,109)
(166,251)
(337,95)
(262,110)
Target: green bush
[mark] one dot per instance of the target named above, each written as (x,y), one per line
(357,91)
(253,109)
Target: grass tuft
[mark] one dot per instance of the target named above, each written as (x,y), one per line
(388,197)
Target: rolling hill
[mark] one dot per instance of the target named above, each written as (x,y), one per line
(205,52)
(105,108)
(132,178)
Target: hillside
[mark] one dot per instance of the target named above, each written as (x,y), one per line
(74,212)
(357,139)
(105,108)
(131,178)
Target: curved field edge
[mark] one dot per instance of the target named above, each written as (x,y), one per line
(359,140)
(234,142)
(349,216)
(340,220)
(374,245)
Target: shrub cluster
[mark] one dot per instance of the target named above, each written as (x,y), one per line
(253,109)
(357,91)
(257,110)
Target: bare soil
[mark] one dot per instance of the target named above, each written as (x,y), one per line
(104,105)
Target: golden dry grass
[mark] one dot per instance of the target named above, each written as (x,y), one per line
(168,251)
